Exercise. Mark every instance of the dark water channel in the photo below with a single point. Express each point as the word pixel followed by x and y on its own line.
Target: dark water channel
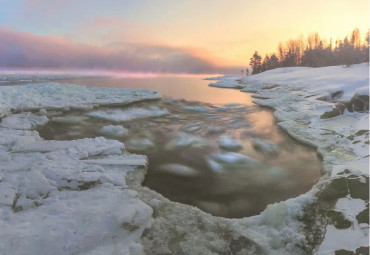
pixel 215 150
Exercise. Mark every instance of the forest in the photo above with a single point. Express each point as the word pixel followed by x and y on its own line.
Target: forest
pixel 313 51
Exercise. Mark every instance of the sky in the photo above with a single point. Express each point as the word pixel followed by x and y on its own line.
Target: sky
pixel 165 36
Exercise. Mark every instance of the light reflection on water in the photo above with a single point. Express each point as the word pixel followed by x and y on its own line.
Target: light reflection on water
pixel 191 88
pixel 239 190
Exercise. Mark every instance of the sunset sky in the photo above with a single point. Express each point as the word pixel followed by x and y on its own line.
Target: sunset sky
pixel 163 35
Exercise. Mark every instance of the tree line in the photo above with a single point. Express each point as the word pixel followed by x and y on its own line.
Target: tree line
pixel 315 52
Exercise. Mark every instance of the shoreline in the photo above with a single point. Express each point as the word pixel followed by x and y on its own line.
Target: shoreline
pixel 273 94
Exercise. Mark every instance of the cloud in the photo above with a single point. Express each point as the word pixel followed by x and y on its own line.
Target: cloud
pixel 25 50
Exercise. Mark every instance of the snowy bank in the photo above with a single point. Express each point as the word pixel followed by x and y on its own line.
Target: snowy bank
pixel 327 108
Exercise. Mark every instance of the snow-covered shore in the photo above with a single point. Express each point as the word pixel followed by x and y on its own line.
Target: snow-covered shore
pixel 327 108
pixel 85 196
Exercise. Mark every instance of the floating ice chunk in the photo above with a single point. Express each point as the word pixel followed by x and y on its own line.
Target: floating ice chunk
pixel 23 121
pixel 178 169
pixel 118 115
pixel 229 143
pixel 116 131
pixel 264 147
pixel 69 119
pixel 185 140
pixel 139 144
pixel 231 160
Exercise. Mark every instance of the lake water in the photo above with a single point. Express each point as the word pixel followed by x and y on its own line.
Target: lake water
pixel 187 163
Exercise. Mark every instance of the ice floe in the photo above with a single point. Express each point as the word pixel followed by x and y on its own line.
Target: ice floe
pixel 114 130
pixel 178 169
pixel 23 121
pixel 182 139
pixel 229 143
pixel 61 96
pixel 139 144
pixel 133 113
pixel 220 162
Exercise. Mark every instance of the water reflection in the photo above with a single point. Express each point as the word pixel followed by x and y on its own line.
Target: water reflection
pixel 191 88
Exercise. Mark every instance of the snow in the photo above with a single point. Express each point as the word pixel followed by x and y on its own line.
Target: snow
pixel 114 130
pixel 23 121
pixel 133 113
pixel 351 238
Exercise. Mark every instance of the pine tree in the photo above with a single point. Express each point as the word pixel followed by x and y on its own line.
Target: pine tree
pixel 255 63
